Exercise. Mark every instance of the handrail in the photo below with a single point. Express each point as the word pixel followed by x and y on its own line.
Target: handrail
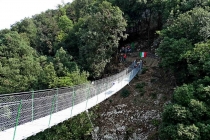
pixel 40 105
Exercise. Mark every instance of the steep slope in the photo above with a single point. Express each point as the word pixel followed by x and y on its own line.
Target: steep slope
pixel 138 115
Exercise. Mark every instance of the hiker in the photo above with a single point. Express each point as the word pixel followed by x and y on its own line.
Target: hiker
pixel 141 63
pixel 134 63
pixel 122 50
pixel 129 49
pixel 126 49
pixel 124 57
pixel 138 62
pixel 121 59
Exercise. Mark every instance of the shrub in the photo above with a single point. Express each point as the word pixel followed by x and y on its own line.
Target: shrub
pixel 142 93
pixel 154 95
pixel 143 71
pixel 152 80
pixel 155 122
pixel 125 93
pixel 140 85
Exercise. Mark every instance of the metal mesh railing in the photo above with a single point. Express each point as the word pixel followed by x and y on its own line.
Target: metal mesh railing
pixel 20 108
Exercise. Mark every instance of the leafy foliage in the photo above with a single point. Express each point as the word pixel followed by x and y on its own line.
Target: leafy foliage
pixel 53 48
pixel 99 35
pixel 77 128
pixel 198 60
pixel 178 41
pixel 125 93
pixel 183 94
pixel 185 50
pixel 19 64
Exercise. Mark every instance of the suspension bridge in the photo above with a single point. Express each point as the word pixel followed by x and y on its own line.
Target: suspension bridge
pixel 27 113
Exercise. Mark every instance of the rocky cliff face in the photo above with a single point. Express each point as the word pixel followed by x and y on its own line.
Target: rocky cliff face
pixel 135 115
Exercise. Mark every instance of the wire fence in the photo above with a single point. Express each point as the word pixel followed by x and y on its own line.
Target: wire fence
pixel 20 108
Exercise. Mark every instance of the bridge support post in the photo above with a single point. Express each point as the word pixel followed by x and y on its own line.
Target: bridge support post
pixel 17 119
pixel 72 101
pixel 106 90
pixel 87 96
pixel 97 92
pixel 56 104
pixel 52 109
pixel 32 106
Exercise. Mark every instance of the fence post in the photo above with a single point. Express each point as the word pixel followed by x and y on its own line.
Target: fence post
pixel 121 80
pixel 106 90
pixel 17 119
pixel 87 96
pixel 56 104
pixel 98 90
pixel 52 109
pixel 32 106
pixel 132 74
pixel 72 101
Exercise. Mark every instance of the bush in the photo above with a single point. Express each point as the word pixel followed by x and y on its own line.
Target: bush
pixel 143 71
pixel 155 122
pixel 152 80
pixel 183 94
pixel 154 95
pixel 174 113
pixel 141 90
pixel 125 93
pixel 142 93
pixel 140 85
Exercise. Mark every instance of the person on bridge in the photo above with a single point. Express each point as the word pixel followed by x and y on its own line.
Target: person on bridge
pixel 134 63
pixel 124 57
pixel 121 59
pixel 129 49
pixel 138 62
pixel 122 50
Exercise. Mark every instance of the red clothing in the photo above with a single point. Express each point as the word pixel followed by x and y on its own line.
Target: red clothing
pixel 124 56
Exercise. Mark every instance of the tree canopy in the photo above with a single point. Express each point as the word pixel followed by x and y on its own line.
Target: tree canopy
pixel 66 46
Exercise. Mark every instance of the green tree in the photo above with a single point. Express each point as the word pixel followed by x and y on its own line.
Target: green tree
pixel 180 132
pixel 76 128
pixel 191 25
pixel 99 35
pixel 47 30
pixel 19 64
pixel 63 62
pixel 203 90
pixel 26 26
pixel 171 51
pixel 71 79
pixel 183 94
pixel 204 130
pixel 179 37
pixel 188 132
pixel 65 24
pixel 176 113
pixel 78 6
pixel 198 60
pixel 48 76
pixel 198 109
